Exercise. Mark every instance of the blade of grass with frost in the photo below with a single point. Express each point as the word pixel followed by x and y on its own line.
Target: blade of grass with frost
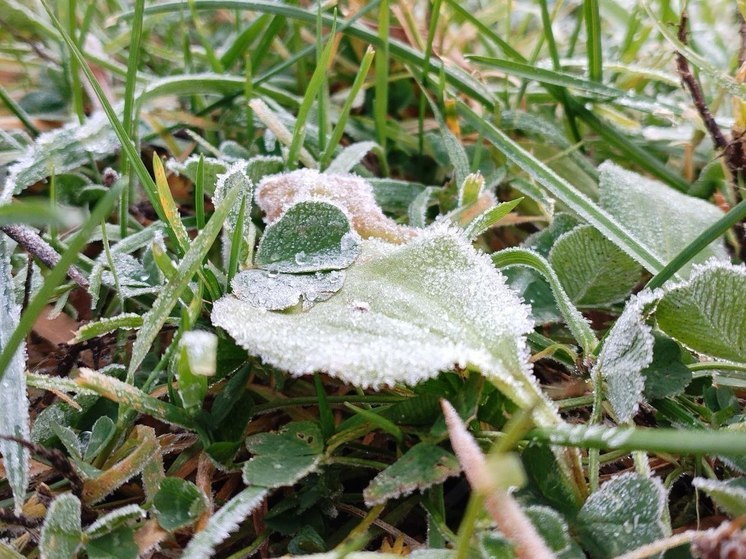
pixel 674 441
pixel 564 191
pixel 283 135
pixel 168 297
pixel 578 325
pixel 223 522
pixel 344 114
pixel 55 277
pixel 14 415
pixel 314 86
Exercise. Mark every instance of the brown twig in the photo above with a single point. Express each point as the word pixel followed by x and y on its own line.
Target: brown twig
pixel 32 243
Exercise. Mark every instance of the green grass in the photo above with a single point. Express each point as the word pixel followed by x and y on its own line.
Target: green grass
pixel 461 107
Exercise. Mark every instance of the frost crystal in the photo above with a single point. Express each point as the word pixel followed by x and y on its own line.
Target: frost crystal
pixel 405 313
pixel 274 291
pixel 201 350
pixel 278 192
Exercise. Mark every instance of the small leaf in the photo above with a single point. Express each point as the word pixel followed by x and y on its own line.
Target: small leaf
pixel 554 531
pixel 592 269
pixel 707 313
pixel 422 466
pixel 223 522
pixel 350 156
pixel 667 375
pixel 728 495
pixel 118 544
pixel 627 350
pixel 114 520
pixel 310 236
pixel 126 321
pixel 14 415
pixel 178 503
pixel 625 513
pixel 663 219
pixel 61 534
pixel 489 218
pixel 281 459
pixel 274 291
pixel 275 193
pixel 470 189
pixel 213 167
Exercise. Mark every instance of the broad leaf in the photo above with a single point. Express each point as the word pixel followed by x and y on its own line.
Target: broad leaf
pixel 310 236
pixel 405 313
pixel 627 350
pixel 663 219
pixel 14 417
pixel 274 291
pixel 178 503
pixel 666 375
pixel 592 269
pixel 625 513
pixel 422 466
pixel 707 313
pixel 118 544
pixel 61 534
pixel 283 458
pixel 728 495
pixel 223 522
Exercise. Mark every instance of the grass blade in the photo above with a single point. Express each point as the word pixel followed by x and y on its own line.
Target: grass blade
pixel 593 39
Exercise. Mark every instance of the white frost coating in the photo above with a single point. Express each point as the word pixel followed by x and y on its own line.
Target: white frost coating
pixel 59 151
pixel 223 522
pixel 405 313
pixel 628 349
pixel 201 350
pixel 729 495
pixel 661 218
pixel 274 291
pixel 234 176
pixel 276 193
pixel 14 419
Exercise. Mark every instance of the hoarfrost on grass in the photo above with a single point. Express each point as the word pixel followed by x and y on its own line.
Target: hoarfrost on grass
pixel 278 192
pixel 405 313
pixel 661 218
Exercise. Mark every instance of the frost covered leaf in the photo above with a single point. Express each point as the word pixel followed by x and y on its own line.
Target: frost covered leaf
pixel 592 269
pixel 276 193
pixel 118 544
pixel 223 522
pixel 201 351
pixel 125 321
pixel 422 466
pixel 14 418
pixel 117 518
pixel 728 495
pixel 60 151
pixel 178 503
pixel 624 514
pixel 490 218
pixel 350 156
pixel 274 291
pixel 61 534
pixel 310 236
pixel 212 168
pixel 405 313
pixel 628 349
pixel 666 375
pixel 234 177
pixel 553 529
pixel 281 459
pixel 707 313
pixel 663 219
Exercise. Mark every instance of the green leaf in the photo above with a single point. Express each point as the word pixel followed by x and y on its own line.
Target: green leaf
pixel 625 513
pixel 667 375
pixel 178 503
pixel 213 167
pixel 274 291
pixel 125 321
pixel 61 534
pixel 111 521
pixel 282 459
pixel 489 218
pixel 223 522
pixel 661 218
pixel 546 474
pixel 729 495
pixel 707 313
pixel 118 544
pixel 422 466
pixel 350 156
pixel 310 236
pixel 553 529
pixel 627 350
pixel 14 406
pixel 592 269
pixel 409 311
